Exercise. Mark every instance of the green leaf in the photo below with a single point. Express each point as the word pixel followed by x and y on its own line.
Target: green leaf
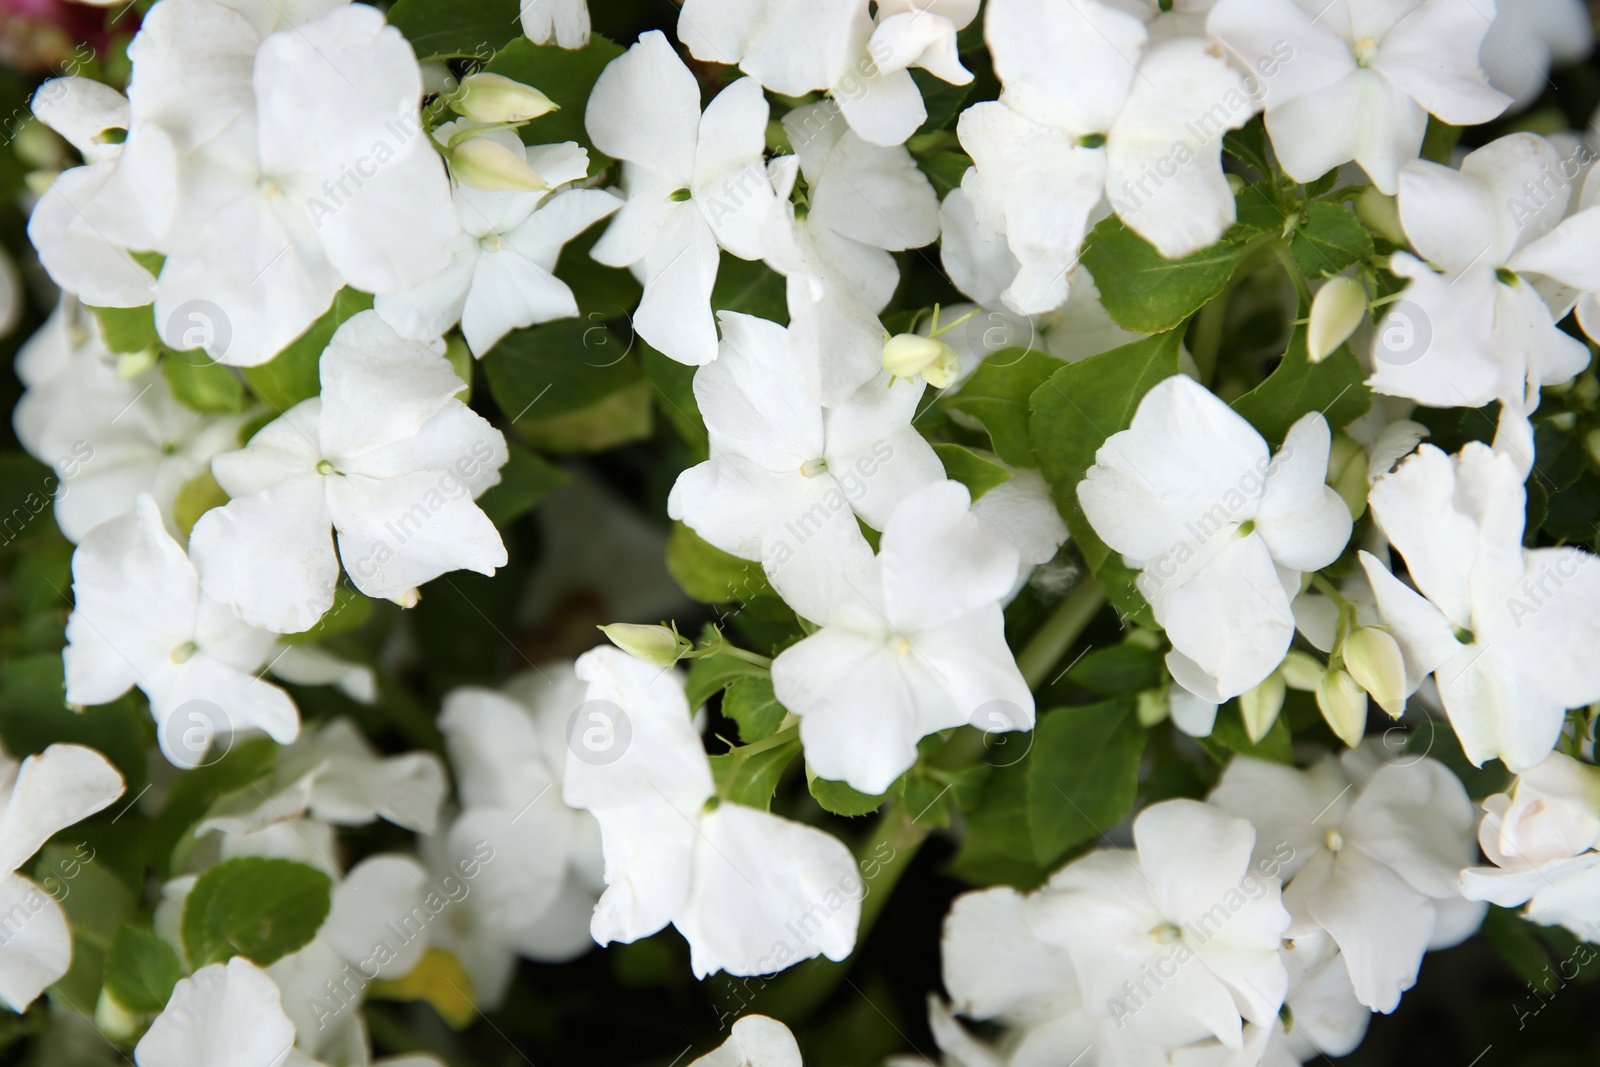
pixel 1083 774
pixel 711 674
pixel 34 715
pixel 997 847
pixel 971 468
pixel 1329 240
pixel 997 396
pixel 940 99
pixel 564 75
pixel 195 497
pixel 1075 411
pixel 201 384
pixel 1228 735
pixel 556 369
pixel 750 288
pixel 709 574
pixel 446 29
pixel 141 970
pixel 1146 293
pixel 752 704
pixel 749 775
pixel 1335 387
pixel 841 799
pixel 1119 671
pixel 293 374
pixel 622 417
pixel 193 793
pixel 945 170
pixel 1248 144
pixel 1513 937
pixel 674 386
pixel 96 901
pixel 525 480
pixel 128 329
pixel 262 909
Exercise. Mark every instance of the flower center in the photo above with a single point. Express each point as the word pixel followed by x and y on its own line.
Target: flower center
pixel 1366 50
pixel 491 243
pixel 324 467
pixel 1092 140
pixel 901 645
pixel 1333 839
pixel 1506 276
pixel 1246 528
pixel 183 652
pixel 813 467
pixel 1166 933
pixel 269 186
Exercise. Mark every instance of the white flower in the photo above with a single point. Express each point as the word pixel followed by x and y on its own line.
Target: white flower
pixel 566 22
pixel 1511 635
pixel 1371 853
pixel 1179 940
pixel 42 795
pixel 271 168
pixel 373 920
pixel 917 646
pixel 863 202
pixel 1528 38
pixel 65 227
pixel 1541 838
pixel 1220 529
pixel 754 1041
pixel 694 183
pixel 141 619
pixel 860 58
pixel 113 442
pixel 1477 331
pixel 500 272
pixel 1360 83
pixel 751 892
pixel 1022 512
pixel 1567 254
pixel 224 1015
pixel 787 478
pixel 386 456
pixel 334 775
pixel 510 758
pixel 1088 111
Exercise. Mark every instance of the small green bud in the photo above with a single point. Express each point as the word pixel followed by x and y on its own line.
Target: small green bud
pixel 1344 706
pixel 494 98
pixel 653 644
pixel 907 355
pixel 484 163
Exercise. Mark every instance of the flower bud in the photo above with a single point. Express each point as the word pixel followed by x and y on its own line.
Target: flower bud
pixel 1259 707
pixel 485 163
pixel 907 355
pixel 1343 705
pixel 653 644
pixel 1153 706
pixel 1552 813
pixel 1301 671
pixel 1336 311
pixel 1347 473
pixel 1373 659
pixel 113 1020
pixel 494 98
pixel 1382 213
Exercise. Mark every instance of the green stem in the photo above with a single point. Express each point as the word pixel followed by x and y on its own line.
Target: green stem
pixel 1206 341
pixel 883 859
pixel 1302 290
pixel 1060 630
pixel 745 654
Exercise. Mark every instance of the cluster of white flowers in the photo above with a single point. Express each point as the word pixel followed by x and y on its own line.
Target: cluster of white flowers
pixel 312 238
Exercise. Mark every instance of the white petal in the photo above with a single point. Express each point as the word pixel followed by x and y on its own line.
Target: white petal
pixel 269 555
pixel 397 533
pixel 939 562
pixel 62 785
pixel 730 180
pixel 1432 54
pixel 1304 522
pixel 380 895
pixel 377 388
pixel 873 451
pixel 1067 65
pixel 761 882
pixel 645 107
pixel 679 270
pixel 38 947
pixel 225 1015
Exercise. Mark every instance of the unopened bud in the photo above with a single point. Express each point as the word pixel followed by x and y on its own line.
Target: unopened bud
pixel 113 1020
pixel 1382 213
pixel 1301 671
pixel 1259 707
pixel 494 98
pixel 907 355
pixel 1343 705
pixel 1153 706
pixel 1373 659
pixel 653 644
pixel 1347 473
pixel 484 163
pixel 1336 311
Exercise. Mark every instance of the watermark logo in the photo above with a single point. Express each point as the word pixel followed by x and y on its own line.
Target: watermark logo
pixel 599 732
pixel 199 324
pixel 1404 335
pixel 197 734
